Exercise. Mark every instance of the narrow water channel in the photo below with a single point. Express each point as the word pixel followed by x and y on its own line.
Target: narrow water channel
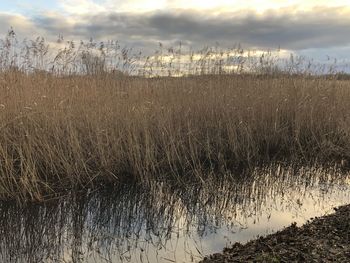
pixel 164 222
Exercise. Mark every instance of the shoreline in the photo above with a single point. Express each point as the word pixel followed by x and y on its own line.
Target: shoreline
pixel 321 239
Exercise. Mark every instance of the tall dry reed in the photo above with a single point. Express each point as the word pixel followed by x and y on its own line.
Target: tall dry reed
pixel 60 132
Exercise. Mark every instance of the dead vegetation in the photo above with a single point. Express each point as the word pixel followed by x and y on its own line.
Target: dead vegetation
pixel 97 113
pixel 60 132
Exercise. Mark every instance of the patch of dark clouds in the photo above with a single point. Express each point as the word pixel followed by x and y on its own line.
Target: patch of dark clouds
pixel 321 28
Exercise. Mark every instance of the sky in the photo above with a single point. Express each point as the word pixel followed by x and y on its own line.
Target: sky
pixel 320 29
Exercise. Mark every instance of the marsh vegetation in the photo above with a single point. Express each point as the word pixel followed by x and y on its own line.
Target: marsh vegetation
pixel 60 132
pixel 108 155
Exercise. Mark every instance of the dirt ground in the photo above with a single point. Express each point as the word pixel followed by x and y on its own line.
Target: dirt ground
pixel 323 239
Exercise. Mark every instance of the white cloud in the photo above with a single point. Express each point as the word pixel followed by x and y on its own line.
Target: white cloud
pixel 217 6
pixel 234 5
pixel 137 5
pixel 22 25
pixel 79 7
pixel 121 19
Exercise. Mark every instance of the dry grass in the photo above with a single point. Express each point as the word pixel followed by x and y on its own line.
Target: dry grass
pixel 60 132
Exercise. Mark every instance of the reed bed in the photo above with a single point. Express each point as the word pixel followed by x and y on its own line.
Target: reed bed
pixel 59 132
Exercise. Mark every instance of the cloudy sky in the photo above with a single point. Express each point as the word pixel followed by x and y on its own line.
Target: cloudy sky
pixel 314 28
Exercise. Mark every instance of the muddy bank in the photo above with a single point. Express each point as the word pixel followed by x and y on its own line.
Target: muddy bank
pixel 323 239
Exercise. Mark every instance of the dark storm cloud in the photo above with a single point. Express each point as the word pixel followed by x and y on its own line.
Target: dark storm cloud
pixel 322 28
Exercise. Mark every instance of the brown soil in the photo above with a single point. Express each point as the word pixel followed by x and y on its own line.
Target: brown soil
pixel 324 239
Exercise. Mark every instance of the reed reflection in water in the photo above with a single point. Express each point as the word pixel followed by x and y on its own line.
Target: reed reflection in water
pixel 167 222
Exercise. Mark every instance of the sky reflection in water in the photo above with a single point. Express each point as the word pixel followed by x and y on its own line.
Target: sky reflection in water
pixel 161 222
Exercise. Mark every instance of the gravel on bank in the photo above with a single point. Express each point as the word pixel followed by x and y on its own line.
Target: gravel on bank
pixel 323 239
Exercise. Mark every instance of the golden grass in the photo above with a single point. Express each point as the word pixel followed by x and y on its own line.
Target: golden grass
pixel 60 132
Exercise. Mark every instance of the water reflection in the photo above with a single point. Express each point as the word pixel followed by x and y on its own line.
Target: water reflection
pixel 164 222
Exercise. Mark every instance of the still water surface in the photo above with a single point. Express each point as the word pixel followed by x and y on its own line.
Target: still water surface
pixel 163 222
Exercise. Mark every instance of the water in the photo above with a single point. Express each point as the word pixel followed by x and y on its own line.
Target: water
pixel 163 222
